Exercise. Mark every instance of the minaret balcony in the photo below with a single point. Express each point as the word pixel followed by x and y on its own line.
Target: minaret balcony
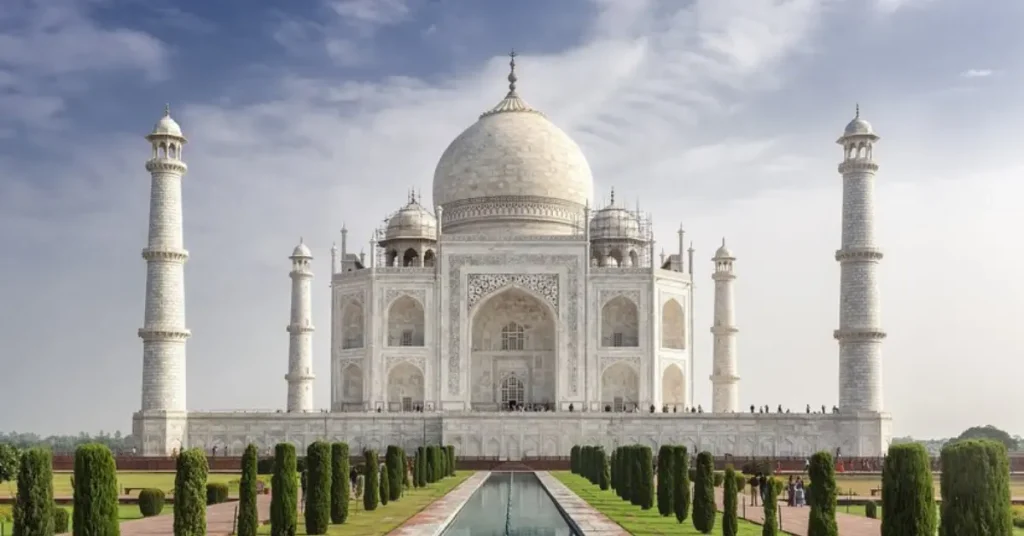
pixel 299 328
pixel 165 255
pixel 299 377
pixel 859 253
pixel 724 330
pixel 164 334
pixel 166 165
pixel 859 334
pixel 855 165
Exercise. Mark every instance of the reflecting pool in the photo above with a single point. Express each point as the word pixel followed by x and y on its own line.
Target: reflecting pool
pixel 510 504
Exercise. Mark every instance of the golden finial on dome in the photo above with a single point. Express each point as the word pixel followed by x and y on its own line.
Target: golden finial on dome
pixel 512 71
pixel 167 109
pixel 857 115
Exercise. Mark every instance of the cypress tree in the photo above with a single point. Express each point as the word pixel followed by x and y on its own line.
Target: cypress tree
pixel 704 494
pixel 34 506
pixel 421 469
pixel 430 464
pixel 439 457
pixel 606 476
pixel 385 485
pixel 416 462
pixel 908 492
pixel 96 492
pixel 393 462
pixel 681 483
pixel 666 505
pixel 317 511
pixel 190 494
pixel 612 471
pixel 822 474
pixel 646 462
pixel 451 459
pixel 405 470
pixel 248 515
pixel 574 460
pixel 627 473
pixel 284 500
pixel 730 521
pixel 771 512
pixel 975 488
pixel 340 486
pixel 371 488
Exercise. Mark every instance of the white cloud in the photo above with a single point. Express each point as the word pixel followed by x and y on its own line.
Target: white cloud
pixel 977 73
pixel 659 96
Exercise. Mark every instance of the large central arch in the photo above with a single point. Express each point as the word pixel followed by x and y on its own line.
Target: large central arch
pixel 513 333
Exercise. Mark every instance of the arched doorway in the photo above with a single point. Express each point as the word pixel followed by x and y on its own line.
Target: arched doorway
pixel 673 388
pixel 405 387
pixel 620 388
pixel 513 335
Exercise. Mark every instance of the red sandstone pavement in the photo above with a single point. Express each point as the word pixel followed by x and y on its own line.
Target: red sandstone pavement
pixel 220 520
pixel 794 519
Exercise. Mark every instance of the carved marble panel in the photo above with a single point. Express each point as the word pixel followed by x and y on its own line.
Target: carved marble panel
pixel 608 361
pixel 416 361
pixel 610 294
pixel 392 294
pixel 455 312
pixel 482 285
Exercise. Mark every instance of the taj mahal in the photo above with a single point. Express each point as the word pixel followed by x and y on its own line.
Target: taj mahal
pixel 514 318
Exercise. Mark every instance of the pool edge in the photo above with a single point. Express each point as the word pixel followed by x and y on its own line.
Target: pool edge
pixel 448 508
pixel 596 524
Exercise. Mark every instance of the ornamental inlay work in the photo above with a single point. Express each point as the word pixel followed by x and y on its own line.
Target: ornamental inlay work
pixel 609 295
pixel 608 361
pixel 455 264
pixel 417 294
pixel 483 285
pixel 392 360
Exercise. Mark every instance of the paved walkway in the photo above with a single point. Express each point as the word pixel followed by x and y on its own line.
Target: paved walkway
pixel 220 519
pixel 435 517
pixel 794 519
pixel 586 517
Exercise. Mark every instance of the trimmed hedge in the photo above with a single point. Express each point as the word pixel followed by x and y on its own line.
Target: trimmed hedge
pixel 33 506
pixel 823 495
pixel 730 520
pixel 908 493
pixel 265 466
pixel 646 488
pixel 439 457
pixel 431 464
pixel 574 460
pixel 606 477
pixel 405 471
pixel 421 469
pixel 216 493
pixel 681 482
pixel 385 487
pixel 284 500
pixel 340 486
pixel 771 512
pixel 191 493
pixel 61 519
pixel 718 478
pixel 371 491
pixel 871 512
pixel 248 513
pixel 151 503
pixel 319 475
pixel 975 488
pixel 704 494
pixel 96 492
pixel 393 463
pixel 741 481
pixel 450 450
pixel 666 502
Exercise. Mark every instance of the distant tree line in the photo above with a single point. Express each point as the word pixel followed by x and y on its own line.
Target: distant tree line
pixel 1013 443
pixel 66 444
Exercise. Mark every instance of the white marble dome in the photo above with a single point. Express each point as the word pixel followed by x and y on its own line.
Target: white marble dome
pixel 858 127
pixel 513 171
pixel 302 250
pixel 167 126
pixel 412 222
pixel 615 223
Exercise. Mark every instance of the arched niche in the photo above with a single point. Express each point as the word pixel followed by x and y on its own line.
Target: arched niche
pixel 620 387
pixel 673 326
pixel 352 325
pixel 352 386
pixel 406 322
pixel 405 387
pixel 673 387
pixel 513 332
pixel 620 323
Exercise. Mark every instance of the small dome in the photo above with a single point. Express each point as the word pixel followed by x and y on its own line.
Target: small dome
pixel 615 223
pixel 723 252
pixel 858 126
pixel 167 126
pixel 413 221
pixel 301 250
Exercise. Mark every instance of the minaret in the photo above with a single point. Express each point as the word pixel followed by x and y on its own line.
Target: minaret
pixel 163 332
pixel 300 333
pixel 860 332
pixel 724 381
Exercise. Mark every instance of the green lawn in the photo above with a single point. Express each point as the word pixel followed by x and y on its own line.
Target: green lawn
pixel 133 479
pixel 386 518
pixel 125 512
pixel 639 522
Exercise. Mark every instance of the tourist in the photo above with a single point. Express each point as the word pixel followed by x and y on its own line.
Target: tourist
pixel 755 486
pixel 791 491
pixel 800 492
pixel 762 486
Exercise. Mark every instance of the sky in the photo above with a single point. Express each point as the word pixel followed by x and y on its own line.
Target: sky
pixel 720 115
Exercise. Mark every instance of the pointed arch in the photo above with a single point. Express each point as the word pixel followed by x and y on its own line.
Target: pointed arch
pixel 620 387
pixel 620 323
pixel 429 258
pixel 405 387
pixel 673 325
pixel 673 387
pixel 406 322
pixel 411 257
pixel 352 325
pixel 351 385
